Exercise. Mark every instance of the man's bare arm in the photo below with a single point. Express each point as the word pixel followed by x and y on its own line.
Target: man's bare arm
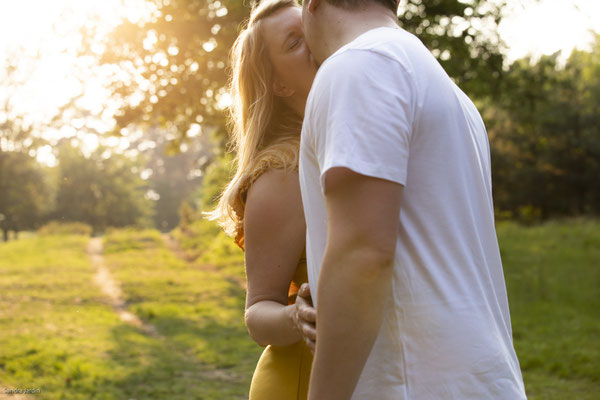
pixel 355 279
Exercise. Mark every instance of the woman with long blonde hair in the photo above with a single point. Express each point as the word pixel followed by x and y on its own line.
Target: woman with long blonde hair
pixel 261 207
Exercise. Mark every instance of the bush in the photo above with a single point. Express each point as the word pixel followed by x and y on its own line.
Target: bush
pixel 125 239
pixel 65 228
pixel 205 242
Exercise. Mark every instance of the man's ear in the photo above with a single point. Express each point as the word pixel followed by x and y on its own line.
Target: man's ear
pixel 280 90
pixel 313 5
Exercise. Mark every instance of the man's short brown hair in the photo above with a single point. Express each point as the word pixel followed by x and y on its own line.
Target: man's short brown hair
pixel 350 4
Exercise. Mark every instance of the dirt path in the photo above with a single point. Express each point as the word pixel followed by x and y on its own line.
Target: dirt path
pixel 111 289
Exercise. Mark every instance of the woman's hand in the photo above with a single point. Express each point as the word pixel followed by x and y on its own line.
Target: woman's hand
pixel 305 316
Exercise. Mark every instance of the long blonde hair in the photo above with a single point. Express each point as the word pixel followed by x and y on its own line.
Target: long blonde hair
pixel 265 131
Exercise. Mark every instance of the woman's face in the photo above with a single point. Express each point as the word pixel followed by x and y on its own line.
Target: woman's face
pixel 292 61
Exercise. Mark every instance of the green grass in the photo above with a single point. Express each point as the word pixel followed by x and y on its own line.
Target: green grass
pixel 553 279
pixel 205 243
pixel 199 311
pixel 59 334
pixel 56 328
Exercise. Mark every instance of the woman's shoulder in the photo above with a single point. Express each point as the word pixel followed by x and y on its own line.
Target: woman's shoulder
pixel 274 204
pixel 273 184
pixel 268 160
pixel 273 199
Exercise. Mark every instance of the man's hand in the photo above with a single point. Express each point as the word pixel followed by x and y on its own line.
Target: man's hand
pixel 305 316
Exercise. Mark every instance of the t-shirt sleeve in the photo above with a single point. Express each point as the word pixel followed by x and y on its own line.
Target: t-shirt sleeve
pixel 366 106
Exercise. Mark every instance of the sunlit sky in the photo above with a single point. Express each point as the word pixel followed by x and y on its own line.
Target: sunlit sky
pixel 544 26
pixel 49 31
pixel 42 38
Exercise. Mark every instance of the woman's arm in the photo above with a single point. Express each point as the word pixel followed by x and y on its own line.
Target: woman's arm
pixel 274 237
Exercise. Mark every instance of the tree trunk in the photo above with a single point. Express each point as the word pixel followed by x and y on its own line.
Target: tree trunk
pixel 5 234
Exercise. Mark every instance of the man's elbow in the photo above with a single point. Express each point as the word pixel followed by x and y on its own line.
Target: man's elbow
pixel 375 261
pixel 382 262
pixel 366 247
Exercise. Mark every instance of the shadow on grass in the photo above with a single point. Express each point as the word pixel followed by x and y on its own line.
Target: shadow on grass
pixel 207 360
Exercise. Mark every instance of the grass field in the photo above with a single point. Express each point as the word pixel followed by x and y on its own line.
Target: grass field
pixel 60 334
pixel 553 279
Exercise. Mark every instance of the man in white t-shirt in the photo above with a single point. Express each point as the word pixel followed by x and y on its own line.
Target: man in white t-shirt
pixel 402 251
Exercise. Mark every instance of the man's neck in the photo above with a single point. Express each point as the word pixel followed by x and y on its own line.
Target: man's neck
pixel 346 25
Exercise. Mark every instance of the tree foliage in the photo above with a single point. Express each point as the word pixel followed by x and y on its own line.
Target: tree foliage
pixel 463 35
pixel 101 190
pixel 179 61
pixel 16 129
pixel 173 176
pixel 24 193
pixel 216 177
pixel 545 137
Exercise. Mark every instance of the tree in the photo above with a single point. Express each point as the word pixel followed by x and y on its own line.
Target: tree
pixel 216 176
pixel 101 190
pixel 545 136
pixel 23 192
pixel 172 175
pixel 463 36
pixel 178 59
pixel 16 130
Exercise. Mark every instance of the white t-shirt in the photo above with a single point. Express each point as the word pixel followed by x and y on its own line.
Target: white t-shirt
pixel 382 106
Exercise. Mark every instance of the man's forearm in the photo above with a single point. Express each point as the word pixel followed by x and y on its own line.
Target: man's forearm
pixel 353 288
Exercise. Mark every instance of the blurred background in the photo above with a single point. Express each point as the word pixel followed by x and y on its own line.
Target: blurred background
pixel 113 124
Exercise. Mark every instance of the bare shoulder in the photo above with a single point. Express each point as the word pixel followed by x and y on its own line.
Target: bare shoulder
pixel 275 189
pixel 277 178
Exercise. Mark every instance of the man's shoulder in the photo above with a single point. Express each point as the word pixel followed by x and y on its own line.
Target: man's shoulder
pixel 387 41
pixel 381 46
